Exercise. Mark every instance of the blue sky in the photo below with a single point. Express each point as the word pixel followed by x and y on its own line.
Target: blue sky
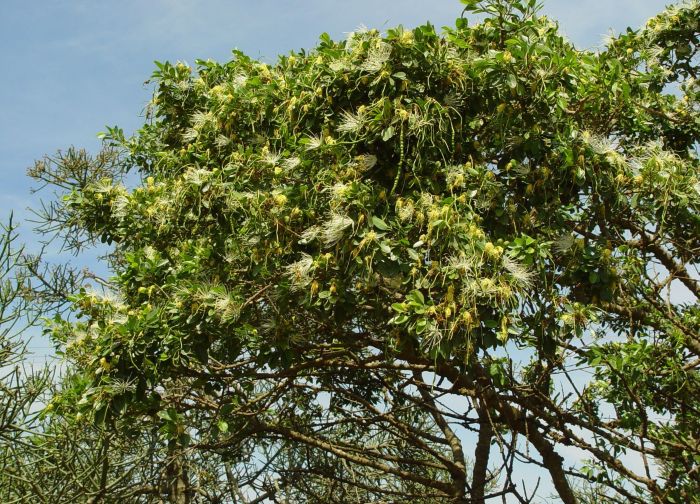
pixel 73 66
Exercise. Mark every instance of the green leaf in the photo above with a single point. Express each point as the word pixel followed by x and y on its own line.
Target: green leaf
pixel 416 297
pixel 399 307
pixel 379 223
pixel 388 134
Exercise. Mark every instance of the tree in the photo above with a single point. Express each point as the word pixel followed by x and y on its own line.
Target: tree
pixel 404 267
pixel 19 387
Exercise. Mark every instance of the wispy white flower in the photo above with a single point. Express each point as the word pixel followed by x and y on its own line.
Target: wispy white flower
pixel 196 176
pixel 378 54
pixel 351 123
pixel 120 206
pixel 609 38
pixel 190 135
pixel 405 210
pixel 201 119
pixel 425 200
pixel 271 158
pixel 452 54
pixel 607 147
pixel 227 307
pixel 355 37
pixel 183 85
pixel 600 145
pixel 150 253
pixel 433 337
pixel 339 190
pixel 240 80
pixel 314 142
pixel 365 162
pixel 521 277
pixel 224 303
pixel 310 234
pixel 222 141
pixel 333 230
pixel 564 243
pixel 117 386
pixel 290 163
pixel 464 264
pixel 299 272
pixel 455 176
pixel 340 65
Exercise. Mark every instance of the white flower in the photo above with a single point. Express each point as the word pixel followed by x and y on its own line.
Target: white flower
pixel 201 119
pixel 465 265
pixel 333 230
pixel 196 176
pixel 521 277
pixel 339 65
pixel 434 336
pixel 355 37
pixel 314 142
pixel 378 54
pixel 564 243
pixel 225 305
pixel 417 121
pixel 240 80
pixel 299 272
pixel 351 123
pixel 425 200
pixel 190 135
pixel 271 158
pixel 339 190
pixel 310 234
pixel 601 145
pixel 222 141
pixel 291 163
pixel 150 253
pixel 365 162
pixel 405 211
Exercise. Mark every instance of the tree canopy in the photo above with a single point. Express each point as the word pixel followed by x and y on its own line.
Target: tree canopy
pixel 402 267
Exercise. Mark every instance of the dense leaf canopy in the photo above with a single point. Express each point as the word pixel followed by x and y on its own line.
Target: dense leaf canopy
pixel 405 266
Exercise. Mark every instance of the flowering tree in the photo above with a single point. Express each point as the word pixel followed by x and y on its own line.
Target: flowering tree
pixel 405 267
